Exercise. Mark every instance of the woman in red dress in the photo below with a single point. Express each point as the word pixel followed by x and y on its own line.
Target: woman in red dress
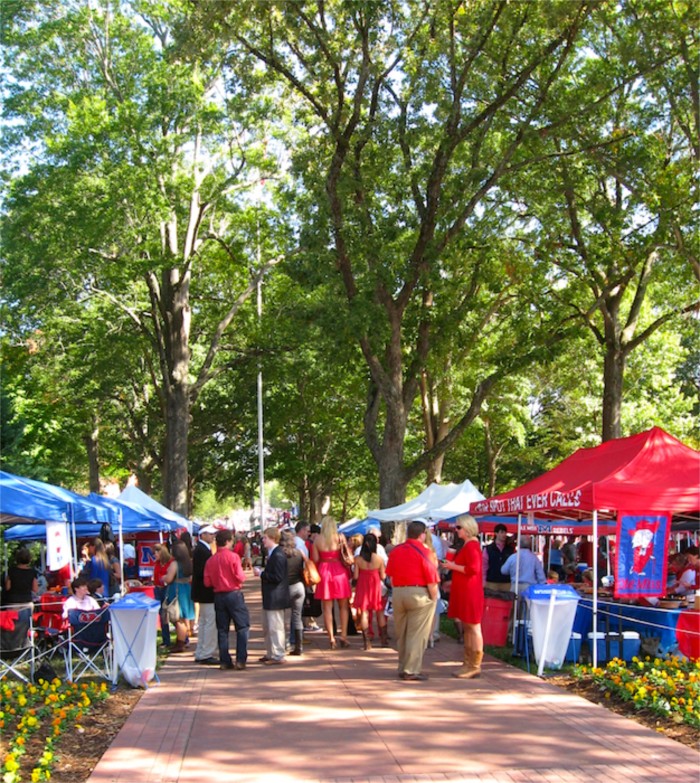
pixel 467 594
pixel 369 574
pixel 335 580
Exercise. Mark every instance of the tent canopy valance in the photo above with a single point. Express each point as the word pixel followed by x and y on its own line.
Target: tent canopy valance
pixel 648 472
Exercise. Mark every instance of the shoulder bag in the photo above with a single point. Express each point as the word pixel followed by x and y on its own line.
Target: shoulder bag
pixel 310 573
pixel 346 556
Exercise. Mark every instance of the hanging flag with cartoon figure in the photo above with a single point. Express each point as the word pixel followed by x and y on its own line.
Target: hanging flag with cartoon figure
pixel 58 548
pixel 642 542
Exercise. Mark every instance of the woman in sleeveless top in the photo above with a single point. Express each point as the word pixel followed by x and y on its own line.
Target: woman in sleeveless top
pixel 369 573
pixel 335 580
pixel 179 581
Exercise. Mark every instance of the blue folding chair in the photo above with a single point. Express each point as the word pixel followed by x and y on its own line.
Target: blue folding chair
pixel 17 641
pixel 90 644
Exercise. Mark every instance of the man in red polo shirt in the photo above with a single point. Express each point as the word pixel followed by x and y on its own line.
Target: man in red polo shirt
pixel 414 580
pixel 223 572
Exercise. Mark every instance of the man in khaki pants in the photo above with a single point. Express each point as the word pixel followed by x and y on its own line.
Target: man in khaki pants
pixel 414 581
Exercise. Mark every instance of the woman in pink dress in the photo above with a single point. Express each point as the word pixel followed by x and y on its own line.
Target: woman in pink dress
pixel 369 573
pixel 335 579
pixel 467 594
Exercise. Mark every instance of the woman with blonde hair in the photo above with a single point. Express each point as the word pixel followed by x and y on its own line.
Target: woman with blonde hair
pixel 335 579
pixel 467 594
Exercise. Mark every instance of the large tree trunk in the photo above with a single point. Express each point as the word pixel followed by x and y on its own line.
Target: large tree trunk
pixel 613 379
pixel 176 311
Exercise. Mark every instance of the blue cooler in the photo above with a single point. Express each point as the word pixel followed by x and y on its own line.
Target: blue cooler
pixel 573 651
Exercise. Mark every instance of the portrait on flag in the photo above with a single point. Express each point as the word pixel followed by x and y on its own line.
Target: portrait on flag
pixel 641 567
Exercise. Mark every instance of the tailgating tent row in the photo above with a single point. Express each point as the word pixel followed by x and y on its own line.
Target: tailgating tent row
pixel 24 500
pixel 651 472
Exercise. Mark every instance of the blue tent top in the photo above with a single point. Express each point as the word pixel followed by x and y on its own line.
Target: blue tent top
pixel 134 517
pixel 135 602
pixel 133 494
pixel 22 499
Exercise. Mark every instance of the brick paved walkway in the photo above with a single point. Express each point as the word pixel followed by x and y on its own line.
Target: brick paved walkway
pixel 343 717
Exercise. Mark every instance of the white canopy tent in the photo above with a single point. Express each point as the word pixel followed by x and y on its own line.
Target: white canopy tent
pixel 436 502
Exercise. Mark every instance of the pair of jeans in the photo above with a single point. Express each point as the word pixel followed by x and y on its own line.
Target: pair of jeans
pixel 297 593
pixel 232 607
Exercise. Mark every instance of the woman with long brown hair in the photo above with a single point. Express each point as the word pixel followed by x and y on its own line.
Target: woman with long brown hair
pixel 179 581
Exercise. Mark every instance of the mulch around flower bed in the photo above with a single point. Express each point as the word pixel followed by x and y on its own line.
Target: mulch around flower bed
pixel 588 689
pixel 79 752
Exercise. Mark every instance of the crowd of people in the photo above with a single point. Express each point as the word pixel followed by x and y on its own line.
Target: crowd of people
pixel 357 584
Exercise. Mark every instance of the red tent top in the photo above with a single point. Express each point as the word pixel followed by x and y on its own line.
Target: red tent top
pixel 651 471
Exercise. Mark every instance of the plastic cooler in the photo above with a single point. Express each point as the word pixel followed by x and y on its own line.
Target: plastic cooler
pixel 494 623
pixel 552 610
pixel 573 651
pixel 624 646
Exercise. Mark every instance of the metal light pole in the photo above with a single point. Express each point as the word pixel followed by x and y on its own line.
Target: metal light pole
pixel 261 456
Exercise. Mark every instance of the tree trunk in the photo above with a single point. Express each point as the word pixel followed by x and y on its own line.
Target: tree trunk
pixel 176 311
pixel 613 378
pixel 392 478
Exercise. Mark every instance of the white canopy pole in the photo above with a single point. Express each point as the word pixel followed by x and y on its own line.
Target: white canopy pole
pixel 595 587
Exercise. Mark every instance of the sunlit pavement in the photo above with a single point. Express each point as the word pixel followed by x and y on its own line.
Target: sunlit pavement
pixel 342 716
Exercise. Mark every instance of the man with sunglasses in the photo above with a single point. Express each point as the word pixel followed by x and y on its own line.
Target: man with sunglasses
pixel 414 580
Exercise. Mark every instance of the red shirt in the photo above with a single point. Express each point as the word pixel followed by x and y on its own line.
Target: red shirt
pixel 159 571
pixel 239 548
pixel 224 572
pixel 410 565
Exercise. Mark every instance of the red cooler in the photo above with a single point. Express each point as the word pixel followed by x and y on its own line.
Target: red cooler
pixel 494 625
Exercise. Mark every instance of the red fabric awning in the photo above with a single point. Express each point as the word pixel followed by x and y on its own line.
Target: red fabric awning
pixel 651 471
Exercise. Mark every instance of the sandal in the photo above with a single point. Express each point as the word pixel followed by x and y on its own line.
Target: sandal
pixel 344 642
pixel 332 644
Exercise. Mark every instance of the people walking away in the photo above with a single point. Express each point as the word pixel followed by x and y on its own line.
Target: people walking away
pixel 369 573
pixel 224 573
pixel 302 530
pixel 529 570
pixel 335 580
pixel 98 566
pixel 494 557
pixel 297 589
pixel 467 594
pixel 275 597
pixel 179 582
pixel 414 580
pixel 206 652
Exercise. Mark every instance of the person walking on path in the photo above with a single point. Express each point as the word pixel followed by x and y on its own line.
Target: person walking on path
pixel 275 597
pixel 207 642
pixel 414 580
pixel 224 574
pixel 369 574
pixel 467 594
pixel 335 580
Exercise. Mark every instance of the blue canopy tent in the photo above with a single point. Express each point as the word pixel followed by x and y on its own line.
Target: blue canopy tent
pixel 133 494
pixel 23 499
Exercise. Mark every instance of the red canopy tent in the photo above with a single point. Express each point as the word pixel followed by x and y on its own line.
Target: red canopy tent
pixel 651 472
pixel 648 472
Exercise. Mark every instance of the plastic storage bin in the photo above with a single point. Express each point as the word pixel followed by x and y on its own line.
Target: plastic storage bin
pixel 494 624
pixel 573 651
pixel 624 646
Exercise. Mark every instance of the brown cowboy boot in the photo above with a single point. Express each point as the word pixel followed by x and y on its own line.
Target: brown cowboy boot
pixel 471 668
pixel 384 636
pixel 367 640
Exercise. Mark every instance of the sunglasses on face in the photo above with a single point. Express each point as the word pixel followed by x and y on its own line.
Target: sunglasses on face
pixel 458 527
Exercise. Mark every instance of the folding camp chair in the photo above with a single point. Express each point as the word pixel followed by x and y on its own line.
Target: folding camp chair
pixel 90 644
pixel 17 641
pixel 51 628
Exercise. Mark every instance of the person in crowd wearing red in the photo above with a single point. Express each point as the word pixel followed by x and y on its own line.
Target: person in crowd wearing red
pixel 224 573
pixel 414 580
pixel 369 572
pixel 335 580
pixel 467 595
pixel 160 569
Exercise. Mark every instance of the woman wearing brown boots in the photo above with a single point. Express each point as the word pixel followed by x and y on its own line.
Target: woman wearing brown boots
pixel 467 595
pixel 369 573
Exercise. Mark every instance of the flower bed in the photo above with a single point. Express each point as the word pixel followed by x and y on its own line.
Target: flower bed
pixel 669 687
pixel 32 720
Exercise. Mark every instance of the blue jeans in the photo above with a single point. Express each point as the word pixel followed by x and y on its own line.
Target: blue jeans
pixel 228 607
pixel 297 593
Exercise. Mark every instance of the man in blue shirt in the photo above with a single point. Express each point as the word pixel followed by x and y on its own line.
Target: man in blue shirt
pixel 530 569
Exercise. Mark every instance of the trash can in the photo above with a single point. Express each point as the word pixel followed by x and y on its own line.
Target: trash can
pixel 494 623
pixel 134 633
pixel 552 610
